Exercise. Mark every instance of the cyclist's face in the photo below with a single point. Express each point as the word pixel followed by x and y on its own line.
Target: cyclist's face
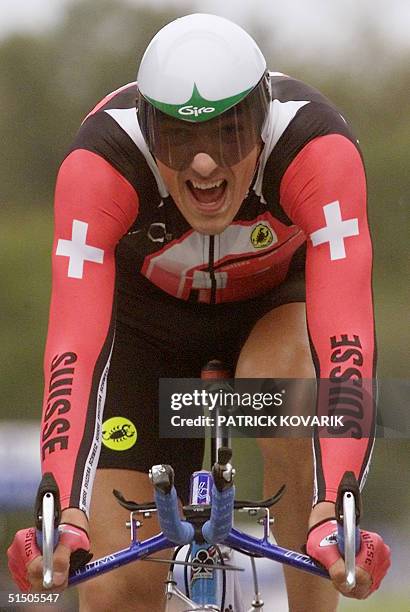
pixel 208 195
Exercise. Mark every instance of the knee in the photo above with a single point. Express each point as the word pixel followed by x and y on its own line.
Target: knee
pixel 293 360
pixel 100 595
pixel 291 456
pixel 108 593
pixel 95 595
pixel 270 358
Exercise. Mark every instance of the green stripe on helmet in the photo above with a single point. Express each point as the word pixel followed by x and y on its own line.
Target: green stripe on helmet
pixel 197 108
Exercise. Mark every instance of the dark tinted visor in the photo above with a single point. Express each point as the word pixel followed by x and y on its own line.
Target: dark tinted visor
pixel 227 138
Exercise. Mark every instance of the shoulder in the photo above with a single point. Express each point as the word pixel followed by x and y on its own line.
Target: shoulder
pixel 111 131
pixel 299 114
pixel 123 97
pixel 286 88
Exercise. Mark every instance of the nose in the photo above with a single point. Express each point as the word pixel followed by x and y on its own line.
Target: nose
pixel 203 164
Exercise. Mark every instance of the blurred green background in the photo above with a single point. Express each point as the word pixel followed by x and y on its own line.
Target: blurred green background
pixel 50 78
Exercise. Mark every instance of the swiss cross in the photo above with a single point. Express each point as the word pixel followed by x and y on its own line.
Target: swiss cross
pixel 78 251
pixel 335 231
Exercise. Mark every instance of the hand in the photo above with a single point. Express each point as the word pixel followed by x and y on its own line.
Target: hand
pixel 372 561
pixel 26 562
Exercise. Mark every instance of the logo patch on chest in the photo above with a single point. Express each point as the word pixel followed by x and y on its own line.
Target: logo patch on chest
pixel 261 236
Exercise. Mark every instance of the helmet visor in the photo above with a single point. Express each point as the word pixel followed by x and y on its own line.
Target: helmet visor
pixel 228 138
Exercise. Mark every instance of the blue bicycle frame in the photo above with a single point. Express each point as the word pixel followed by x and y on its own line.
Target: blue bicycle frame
pixel 236 539
pixel 204 540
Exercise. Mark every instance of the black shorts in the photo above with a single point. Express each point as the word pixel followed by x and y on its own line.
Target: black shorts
pixel 159 336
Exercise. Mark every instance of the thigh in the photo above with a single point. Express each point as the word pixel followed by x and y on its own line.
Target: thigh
pixel 130 429
pixel 278 347
pixel 246 328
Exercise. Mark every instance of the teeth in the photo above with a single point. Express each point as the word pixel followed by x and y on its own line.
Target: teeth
pixel 207 185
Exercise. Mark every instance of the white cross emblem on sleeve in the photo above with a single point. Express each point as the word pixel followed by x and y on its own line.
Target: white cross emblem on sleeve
pixel 335 231
pixel 78 251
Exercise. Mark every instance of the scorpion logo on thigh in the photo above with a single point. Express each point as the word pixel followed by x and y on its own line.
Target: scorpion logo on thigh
pixel 118 433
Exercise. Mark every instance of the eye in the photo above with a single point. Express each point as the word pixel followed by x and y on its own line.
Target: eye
pixel 175 135
pixel 231 131
pixel 178 136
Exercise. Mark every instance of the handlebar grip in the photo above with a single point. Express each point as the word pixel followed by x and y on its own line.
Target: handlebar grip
pixel 177 531
pixel 217 529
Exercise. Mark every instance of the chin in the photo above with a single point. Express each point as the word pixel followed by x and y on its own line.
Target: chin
pixel 209 227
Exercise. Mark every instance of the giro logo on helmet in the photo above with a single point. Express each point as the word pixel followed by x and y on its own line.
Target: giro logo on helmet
pixel 199 68
pixel 194 110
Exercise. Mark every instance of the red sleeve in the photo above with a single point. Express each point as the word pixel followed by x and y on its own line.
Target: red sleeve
pixel 324 192
pixel 94 207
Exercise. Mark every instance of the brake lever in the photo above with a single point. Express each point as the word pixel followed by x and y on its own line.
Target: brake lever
pixel 47 518
pixel 348 513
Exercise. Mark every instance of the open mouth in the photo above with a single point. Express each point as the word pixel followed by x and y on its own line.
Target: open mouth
pixel 209 195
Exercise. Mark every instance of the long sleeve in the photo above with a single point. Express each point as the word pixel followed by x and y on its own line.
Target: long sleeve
pixel 323 191
pixel 94 207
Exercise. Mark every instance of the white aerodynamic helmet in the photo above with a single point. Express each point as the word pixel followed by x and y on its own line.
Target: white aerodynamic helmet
pixel 202 85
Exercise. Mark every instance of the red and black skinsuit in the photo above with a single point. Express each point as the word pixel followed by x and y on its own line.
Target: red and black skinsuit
pixel 119 237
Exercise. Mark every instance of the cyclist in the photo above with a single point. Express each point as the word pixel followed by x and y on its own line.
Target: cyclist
pixel 181 234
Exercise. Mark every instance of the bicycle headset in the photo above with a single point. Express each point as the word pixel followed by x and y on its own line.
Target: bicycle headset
pixel 203 86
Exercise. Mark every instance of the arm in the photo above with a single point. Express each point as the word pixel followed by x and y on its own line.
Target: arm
pixel 94 207
pixel 324 192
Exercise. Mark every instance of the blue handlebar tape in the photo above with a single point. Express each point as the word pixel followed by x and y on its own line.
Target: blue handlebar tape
pixel 217 529
pixel 341 539
pixel 39 538
pixel 177 531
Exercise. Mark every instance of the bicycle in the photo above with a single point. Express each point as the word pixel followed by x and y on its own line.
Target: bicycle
pixel 207 530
